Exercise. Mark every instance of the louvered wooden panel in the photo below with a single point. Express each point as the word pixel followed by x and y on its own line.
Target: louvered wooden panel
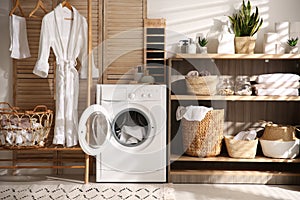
pixel 123 39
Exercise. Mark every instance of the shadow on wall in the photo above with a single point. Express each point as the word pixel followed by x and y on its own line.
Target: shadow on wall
pixel 187 18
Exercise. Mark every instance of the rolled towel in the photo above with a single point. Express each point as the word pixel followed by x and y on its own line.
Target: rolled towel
pixel 277 92
pixel 278 85
pixel 193 73
pixel 277 77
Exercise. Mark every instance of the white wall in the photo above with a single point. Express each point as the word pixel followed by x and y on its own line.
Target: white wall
pixel 6 88
pixel 186 18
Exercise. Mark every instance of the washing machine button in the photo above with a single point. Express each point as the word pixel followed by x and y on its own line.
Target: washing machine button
pixel 131 96
pixel 150 95
pixel 143 95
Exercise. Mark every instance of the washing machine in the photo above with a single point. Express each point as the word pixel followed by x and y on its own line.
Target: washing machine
pixel 126 132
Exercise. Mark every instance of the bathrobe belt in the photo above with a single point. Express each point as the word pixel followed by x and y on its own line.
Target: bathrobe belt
pixel 71 85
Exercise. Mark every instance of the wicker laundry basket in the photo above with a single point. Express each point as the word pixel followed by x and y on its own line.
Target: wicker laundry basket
pixel 24 129
pixel 204 138
pixel 241 148
pixel 279 132
pixel 202 85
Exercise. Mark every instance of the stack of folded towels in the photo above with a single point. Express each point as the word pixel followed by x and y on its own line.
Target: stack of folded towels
pixel 277 84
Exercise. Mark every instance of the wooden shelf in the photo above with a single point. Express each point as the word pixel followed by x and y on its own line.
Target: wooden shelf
pixel 44 149
pixel 228 159
pixel 238 56
pixel 235 98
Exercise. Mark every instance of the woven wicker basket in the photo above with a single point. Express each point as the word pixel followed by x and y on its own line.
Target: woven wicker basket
pixel 202 85
pixel 204 138
pixel 24 129
pixel 279 132
pixel 241 148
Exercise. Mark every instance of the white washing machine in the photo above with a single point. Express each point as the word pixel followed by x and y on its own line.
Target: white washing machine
pixel 126 131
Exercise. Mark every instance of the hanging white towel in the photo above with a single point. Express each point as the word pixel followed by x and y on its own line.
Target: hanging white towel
pixel 277 77
pixel 192 113
pixel 277 92
pixel 18 37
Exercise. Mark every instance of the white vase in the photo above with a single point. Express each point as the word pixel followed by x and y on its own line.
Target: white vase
pixel 203 50
pixel 292 50
pixel 226 41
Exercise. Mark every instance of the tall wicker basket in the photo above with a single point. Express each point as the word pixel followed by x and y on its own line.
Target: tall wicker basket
pixel 204 138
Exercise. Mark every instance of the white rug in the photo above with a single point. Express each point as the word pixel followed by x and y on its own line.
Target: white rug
pixel 95 191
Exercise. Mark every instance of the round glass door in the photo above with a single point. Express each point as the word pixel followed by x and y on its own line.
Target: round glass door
pixel 94 130
pixel 131 127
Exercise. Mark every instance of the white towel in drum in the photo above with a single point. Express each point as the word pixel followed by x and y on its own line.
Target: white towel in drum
pixel 192 113
pixel 277 77
pixel 277 92
pixel 132 134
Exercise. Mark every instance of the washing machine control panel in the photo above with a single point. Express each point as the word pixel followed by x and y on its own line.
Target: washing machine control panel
pixel 144 93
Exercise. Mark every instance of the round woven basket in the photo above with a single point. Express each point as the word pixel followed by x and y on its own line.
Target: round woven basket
pixel 204 138
pixel 241 148
pixel 279 132
pixel 202 85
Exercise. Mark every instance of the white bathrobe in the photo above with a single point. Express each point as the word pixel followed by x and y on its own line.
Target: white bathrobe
pixel 68 39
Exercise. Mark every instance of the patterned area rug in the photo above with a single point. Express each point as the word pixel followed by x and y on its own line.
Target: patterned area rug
pixel 95 191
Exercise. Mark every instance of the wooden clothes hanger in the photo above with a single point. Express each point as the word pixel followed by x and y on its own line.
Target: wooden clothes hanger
pixel 38 5
pixel 17 5
pixel 66 3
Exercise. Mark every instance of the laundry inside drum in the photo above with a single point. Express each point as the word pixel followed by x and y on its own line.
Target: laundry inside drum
pixel 131 127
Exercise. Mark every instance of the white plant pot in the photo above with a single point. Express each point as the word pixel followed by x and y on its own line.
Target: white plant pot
pixel 203 50
pixel 292 50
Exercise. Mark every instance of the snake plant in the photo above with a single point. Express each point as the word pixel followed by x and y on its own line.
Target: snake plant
pixel 292 41
pixel 203 42
pixel 245 23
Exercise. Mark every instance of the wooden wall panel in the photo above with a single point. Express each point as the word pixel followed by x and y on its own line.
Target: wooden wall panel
pixel 122 39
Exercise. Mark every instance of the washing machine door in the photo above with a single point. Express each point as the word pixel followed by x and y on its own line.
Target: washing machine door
pixel 94 130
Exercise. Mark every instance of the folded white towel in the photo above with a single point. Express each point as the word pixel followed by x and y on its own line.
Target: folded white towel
pixel 192 113
pixel 277 77
pixel 246 135
pixel 278 85
pixel 277 92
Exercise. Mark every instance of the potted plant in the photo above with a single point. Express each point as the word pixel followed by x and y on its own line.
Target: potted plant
pixel 202 44
pixel 245 25
pixel 292 42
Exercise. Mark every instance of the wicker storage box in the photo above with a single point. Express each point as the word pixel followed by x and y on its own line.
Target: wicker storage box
pixel 241 148
pixel 204 138
pixel 202 85
pixel 279 132
pixel 24 129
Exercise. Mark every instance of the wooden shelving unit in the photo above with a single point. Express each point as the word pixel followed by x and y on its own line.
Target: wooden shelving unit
pixel 240 113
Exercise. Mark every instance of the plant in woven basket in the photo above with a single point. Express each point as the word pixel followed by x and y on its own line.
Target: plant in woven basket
pixel 245 25
pixel 292 42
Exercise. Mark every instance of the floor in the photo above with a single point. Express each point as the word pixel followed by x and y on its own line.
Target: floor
pixel 236 192
pixel 198 191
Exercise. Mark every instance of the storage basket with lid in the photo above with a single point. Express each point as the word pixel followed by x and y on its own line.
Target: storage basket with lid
pixel 204 138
